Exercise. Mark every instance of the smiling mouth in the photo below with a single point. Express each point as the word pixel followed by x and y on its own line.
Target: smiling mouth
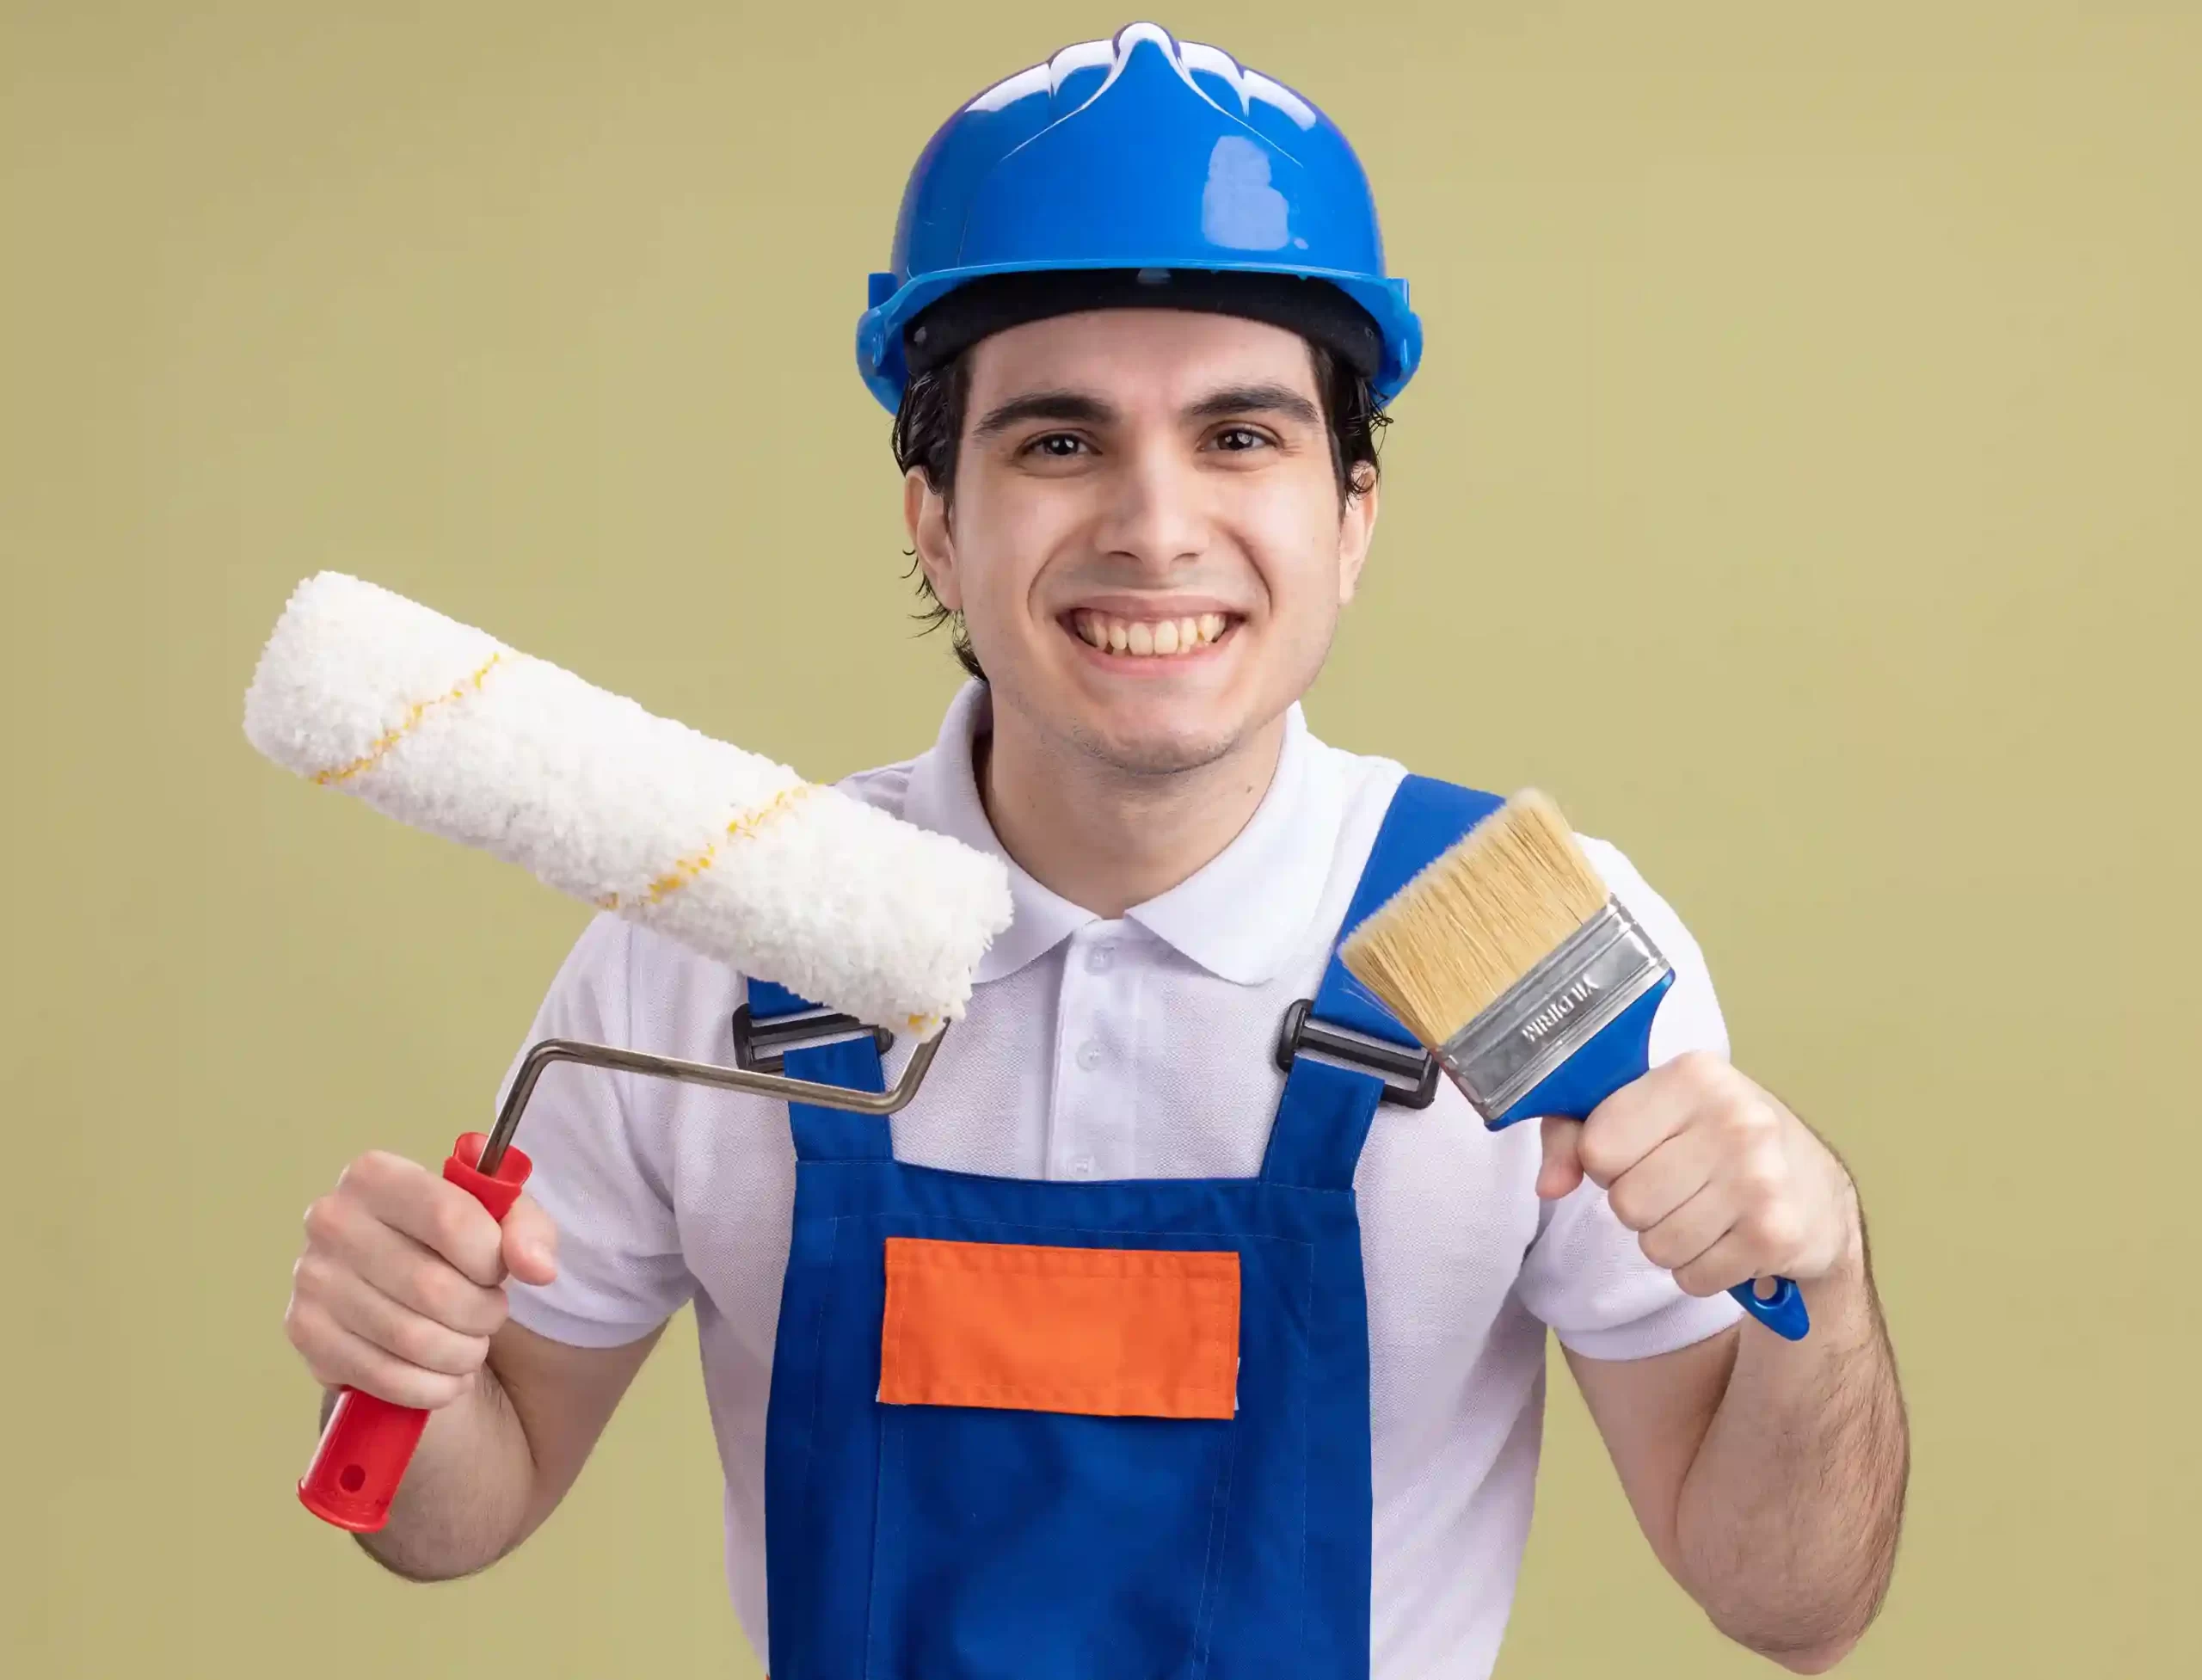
pixel 1149 638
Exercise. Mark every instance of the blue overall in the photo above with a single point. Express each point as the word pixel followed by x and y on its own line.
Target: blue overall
pixel 949 1543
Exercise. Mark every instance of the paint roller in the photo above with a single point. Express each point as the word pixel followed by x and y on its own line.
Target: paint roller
pixel 876 922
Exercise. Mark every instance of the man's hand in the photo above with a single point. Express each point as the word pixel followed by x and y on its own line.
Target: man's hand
pixel 401 1284
pixel 400 1293
pixel 1722 1183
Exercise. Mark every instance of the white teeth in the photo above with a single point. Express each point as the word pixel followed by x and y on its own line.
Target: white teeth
pixel 1156 638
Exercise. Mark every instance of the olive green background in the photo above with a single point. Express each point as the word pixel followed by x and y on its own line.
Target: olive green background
pixel 1802 483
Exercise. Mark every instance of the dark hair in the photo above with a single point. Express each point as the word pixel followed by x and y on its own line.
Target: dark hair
pixel 929 428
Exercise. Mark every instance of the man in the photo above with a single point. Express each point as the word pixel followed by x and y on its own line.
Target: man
pixel 1138 340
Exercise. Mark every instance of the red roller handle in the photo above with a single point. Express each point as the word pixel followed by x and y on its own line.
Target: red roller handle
pixel 369 1441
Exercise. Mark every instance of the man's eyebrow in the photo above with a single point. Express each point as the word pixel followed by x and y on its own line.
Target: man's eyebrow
pixel 1280 400
pixel 1072 406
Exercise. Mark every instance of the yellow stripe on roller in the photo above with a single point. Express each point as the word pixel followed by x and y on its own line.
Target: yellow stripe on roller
pixel 687 869
pixel 381 749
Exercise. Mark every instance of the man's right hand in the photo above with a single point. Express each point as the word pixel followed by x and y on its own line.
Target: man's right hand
pixel 401 1284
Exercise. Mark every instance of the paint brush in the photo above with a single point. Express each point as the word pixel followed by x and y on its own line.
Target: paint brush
pixel 1510 962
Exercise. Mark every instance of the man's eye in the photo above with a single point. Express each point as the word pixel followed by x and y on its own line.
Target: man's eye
pixel 1060 446
pixel 1239 439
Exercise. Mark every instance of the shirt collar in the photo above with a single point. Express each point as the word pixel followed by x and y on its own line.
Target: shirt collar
pixel 1241 916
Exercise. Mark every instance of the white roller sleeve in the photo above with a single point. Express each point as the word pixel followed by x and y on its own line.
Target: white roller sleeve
pixel 450 731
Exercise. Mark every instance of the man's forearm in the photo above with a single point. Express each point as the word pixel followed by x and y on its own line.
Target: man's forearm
pixel 466 1498
pixel 1788 1518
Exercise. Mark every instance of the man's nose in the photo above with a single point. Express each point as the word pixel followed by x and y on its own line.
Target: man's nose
pixel 1154 514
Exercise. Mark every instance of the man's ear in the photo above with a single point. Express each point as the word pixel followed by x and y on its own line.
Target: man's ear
pixel 1357 530
pixel 924 514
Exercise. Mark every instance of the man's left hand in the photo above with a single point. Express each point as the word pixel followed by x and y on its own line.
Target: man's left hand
pixel 1721 1182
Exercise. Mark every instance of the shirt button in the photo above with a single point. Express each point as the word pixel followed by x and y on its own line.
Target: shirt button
pixel 1083 1167
pixel 1088 1055
pixel 1100 957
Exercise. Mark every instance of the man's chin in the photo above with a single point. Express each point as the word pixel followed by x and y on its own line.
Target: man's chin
pixel 1147 732
pixel 1155 753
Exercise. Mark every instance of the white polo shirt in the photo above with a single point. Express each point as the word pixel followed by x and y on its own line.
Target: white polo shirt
pixel 1138 1048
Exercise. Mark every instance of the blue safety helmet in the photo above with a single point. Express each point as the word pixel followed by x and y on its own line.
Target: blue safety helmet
pixel 1140 170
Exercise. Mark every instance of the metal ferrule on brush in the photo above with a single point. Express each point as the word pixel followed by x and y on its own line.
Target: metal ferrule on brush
pixel 1552 1011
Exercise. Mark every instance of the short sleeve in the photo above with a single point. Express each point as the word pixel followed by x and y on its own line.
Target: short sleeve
pixel 621 1273
pixel 1585 1276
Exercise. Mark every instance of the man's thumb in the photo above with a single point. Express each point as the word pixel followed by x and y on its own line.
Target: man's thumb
pixel 530 1243
pixel 1563 1165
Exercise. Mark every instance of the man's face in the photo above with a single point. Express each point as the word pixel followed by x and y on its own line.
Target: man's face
pixel 1146 541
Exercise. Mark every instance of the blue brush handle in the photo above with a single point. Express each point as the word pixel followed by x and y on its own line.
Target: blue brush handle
pixel 1619 1054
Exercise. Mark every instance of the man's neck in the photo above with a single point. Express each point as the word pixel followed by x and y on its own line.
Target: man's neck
pixel 1107 839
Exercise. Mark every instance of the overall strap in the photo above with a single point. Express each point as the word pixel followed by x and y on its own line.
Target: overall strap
pixel 824 1133
pixel 1323 1118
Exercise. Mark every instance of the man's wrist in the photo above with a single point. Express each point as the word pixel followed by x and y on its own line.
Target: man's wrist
pixel 1850 1259
pixel 1841 1299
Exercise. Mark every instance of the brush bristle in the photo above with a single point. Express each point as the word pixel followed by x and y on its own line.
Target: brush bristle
pixel 1450 943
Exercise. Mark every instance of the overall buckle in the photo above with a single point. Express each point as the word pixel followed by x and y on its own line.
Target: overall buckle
pixel 1393 1064
pixel 762 1047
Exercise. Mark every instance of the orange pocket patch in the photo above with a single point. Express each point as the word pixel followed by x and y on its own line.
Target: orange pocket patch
pixel 1114 1333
